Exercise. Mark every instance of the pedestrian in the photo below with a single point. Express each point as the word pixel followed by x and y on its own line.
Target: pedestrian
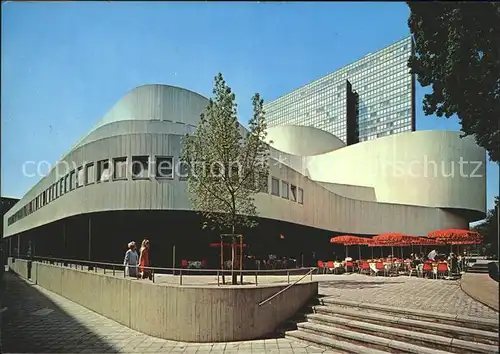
pixel 144 260
pixel 131 260
pixel 432 255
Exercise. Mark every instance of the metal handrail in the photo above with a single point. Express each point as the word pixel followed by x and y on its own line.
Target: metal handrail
pixel 286 288
pixel 179 271
pixel 79 261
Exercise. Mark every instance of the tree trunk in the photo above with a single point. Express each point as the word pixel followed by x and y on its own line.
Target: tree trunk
pixel 222 260
pixel 234 276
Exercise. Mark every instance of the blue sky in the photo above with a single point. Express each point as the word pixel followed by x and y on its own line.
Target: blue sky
pixel 65 64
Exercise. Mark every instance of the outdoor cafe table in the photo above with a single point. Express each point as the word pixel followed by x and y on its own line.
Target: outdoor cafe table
pixel 336 265
pixel 387 265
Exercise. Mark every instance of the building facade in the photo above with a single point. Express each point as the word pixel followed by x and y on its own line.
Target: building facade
pixel 368 99
pixel 114 185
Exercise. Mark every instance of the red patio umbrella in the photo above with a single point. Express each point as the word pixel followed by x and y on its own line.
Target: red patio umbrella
pixel 456 237
pixel 345 240
pixel 393 239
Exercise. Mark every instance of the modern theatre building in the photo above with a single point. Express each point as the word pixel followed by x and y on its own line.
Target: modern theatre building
pixel 412 182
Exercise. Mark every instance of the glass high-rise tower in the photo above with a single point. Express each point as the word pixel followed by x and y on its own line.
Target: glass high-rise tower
pixel 367 99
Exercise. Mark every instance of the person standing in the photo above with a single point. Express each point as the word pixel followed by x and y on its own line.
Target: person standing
pixel 432 255
pixel 131 260
pixel 144 260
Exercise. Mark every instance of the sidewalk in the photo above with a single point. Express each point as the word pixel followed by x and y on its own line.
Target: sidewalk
pixel 38 321
pixel 481 288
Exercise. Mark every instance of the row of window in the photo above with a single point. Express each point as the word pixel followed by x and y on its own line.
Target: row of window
pixel 116 169
pixel 139 167
pixel 319 108
pixel 377 62
pixel 377 75
pixel 287 190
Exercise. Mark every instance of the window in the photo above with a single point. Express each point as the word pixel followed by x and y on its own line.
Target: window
pixel 284 189
pixel 300 195
pixel 275 186
pixel 293 195
pixel 90 173
pixel 103 171
pixel 140 167
pixel 72 180
pixel 66 183
pixel 80 177
pixel 184 170
pixel 55 192
pixel 164 167
pixel 120 168
pixel 61 187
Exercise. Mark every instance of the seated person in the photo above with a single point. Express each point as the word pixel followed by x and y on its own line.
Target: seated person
pixel 415 262
pixel 440 257
pixel 453 260
pixel 432 255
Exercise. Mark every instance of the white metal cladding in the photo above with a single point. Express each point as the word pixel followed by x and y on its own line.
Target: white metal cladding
pixel 352 203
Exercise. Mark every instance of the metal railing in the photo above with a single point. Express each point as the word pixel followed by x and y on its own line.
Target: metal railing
pixel 159 274
pixel 288 287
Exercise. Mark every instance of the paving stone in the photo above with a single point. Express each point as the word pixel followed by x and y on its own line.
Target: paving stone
pixel 444 296
pixel 61 326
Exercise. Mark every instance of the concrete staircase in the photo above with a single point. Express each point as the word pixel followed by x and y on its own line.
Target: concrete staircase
pixel 344 326
pixel 478 268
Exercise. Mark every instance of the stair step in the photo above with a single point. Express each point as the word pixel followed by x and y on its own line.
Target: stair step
pixel 391 332
pixel 331 343
pixel 490 324
pixel 442 328
pixel 380 342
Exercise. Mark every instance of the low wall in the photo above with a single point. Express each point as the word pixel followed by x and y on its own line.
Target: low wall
pixel 481 288
pixel 493 270
pixel 183 313
pixel 18 266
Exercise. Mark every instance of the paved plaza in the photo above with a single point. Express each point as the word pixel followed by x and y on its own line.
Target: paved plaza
pixel 42 322
pixel 440 295
pixel 39 321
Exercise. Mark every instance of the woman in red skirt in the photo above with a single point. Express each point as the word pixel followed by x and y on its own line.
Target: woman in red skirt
pixel 144 260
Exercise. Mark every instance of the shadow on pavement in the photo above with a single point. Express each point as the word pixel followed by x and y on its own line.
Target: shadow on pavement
pixel 35 324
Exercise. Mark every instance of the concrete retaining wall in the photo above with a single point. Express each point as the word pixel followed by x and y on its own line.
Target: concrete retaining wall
pixel 18 266
pixel 184 313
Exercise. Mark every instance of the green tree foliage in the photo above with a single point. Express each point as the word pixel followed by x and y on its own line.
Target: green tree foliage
pixel 457 53
pixel 227 164
pixel 489 229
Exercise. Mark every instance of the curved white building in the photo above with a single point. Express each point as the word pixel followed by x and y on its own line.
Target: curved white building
pixel 317 185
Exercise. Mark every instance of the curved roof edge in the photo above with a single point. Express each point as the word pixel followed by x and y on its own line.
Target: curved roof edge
pixel 302 140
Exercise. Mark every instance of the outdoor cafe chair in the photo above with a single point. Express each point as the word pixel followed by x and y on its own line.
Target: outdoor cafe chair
pixel 349 264
pixel 330 266
pixel 427 269
pixel 380 267
pixel 321 267
pixel 364 267
pixel 442 269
